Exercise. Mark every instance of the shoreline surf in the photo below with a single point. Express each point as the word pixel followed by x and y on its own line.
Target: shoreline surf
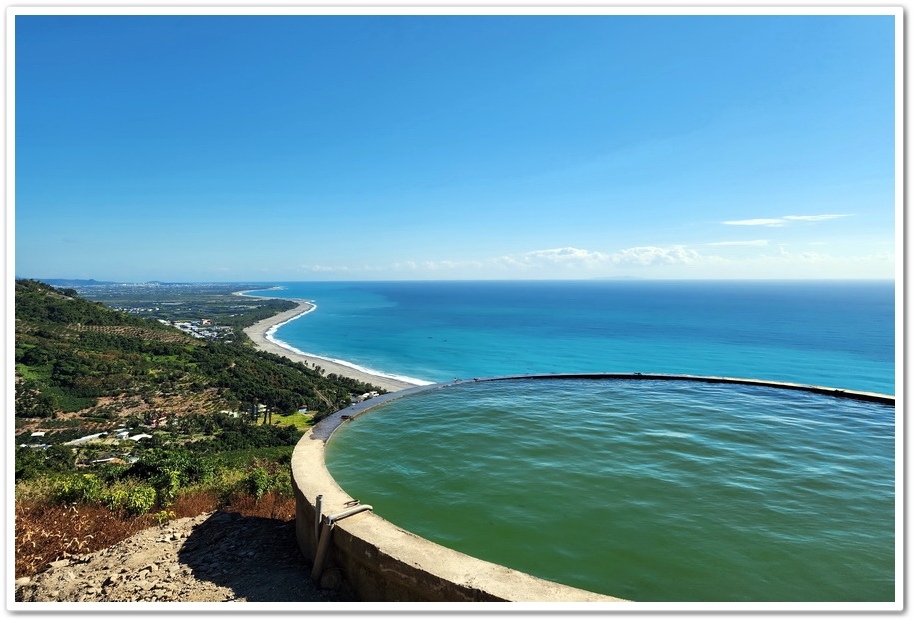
pixel 263 335
pixel 442 330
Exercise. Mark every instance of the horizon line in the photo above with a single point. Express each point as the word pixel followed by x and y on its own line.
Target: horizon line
pixel 441 280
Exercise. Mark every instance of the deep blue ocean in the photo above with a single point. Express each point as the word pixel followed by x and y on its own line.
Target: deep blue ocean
pixel 838 334
pixel 690 491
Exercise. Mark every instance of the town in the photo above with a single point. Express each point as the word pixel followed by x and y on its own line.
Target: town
pixel 202 328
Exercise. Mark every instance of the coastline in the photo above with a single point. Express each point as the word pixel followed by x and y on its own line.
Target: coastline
pixel 260 333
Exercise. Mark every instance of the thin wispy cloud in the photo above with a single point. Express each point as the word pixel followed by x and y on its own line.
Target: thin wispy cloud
pixel 739 243
pixel 816 217
pixel 570 260
pixel 565 256
pixel 651 256
pixel 571 257
pixel 762 257
pixel 784 220
pixel 758 222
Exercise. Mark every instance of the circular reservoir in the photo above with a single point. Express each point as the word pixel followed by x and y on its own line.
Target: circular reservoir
pixel 647 490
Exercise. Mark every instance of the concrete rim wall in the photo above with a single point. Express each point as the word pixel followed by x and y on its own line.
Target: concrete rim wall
pixel 382 562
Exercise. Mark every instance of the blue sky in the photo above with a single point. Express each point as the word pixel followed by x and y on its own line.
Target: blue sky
pixel 233 148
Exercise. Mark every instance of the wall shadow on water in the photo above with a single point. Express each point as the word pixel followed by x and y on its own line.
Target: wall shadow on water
pixel 258 558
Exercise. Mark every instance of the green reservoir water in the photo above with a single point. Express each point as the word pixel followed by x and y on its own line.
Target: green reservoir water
pixel 645 490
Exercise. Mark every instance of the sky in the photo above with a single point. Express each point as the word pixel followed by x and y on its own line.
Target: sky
pixel 375 147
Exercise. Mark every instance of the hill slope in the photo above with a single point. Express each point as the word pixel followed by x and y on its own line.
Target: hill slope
pixel 76 359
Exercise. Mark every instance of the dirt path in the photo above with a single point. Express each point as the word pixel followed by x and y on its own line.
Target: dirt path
pixel 216 557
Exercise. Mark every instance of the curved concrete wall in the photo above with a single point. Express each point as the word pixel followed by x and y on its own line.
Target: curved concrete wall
pixel 382 562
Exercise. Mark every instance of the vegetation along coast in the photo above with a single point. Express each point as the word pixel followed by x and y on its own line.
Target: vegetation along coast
pixel 134 416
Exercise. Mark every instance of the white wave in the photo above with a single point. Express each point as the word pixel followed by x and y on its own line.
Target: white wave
pixel 273 329
pixel 245 292
pixel 349 364
pixel 269 335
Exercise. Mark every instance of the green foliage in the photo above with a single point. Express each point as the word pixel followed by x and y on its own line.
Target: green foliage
pixel 171 468
pixel 243 459
pixel 32 402
pixel 30 462
pixel 231 433
pixel 77 489
pixel 136 499
pixel 70 352
pixel 68 403
pixel 166 486
pixel 259 481
pixel 163 517
pixel 283 479
pixel 59 458
pixel 299 420
pixel 263 476
pixel 36 301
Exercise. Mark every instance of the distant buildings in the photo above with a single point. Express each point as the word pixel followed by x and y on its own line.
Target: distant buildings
pixel 365 396
pixel 203 329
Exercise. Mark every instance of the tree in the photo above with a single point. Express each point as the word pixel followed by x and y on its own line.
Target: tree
pixel 32 402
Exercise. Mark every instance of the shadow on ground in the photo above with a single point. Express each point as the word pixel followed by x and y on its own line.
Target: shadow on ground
pixel 258 558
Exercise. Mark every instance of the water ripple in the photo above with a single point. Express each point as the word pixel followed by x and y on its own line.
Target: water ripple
pixel 646 490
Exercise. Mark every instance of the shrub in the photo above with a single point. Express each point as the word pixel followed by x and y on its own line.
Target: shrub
pixel 167 485
pixel 160 465
pixel 163 517
pixel 225 484
pixel 135 499
pixel 140 500
pixel 33 462
pixel 114 498
pixel 77 489
pixel 259 481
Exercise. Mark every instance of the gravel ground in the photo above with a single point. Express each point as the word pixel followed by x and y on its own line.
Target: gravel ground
pixel 216 557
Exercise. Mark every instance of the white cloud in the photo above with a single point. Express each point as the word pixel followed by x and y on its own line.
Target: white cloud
pixel 448 265
pixel 652 256
pixel 561 261
pixel 765 222
pixel 754 258
pixel 572 257
pixel 318 268
pixel 779 222
pixel 816 217
pixel 739 243
pixel 565 255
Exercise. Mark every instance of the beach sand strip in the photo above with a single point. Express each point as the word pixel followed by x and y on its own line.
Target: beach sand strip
pixel 258 334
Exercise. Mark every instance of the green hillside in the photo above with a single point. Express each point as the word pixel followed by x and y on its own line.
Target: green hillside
pixel 78 360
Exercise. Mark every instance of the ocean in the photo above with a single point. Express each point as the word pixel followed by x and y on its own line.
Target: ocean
pixel 648 491
pixel 837 334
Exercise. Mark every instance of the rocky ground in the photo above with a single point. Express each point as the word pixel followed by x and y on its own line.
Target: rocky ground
pixel 216 557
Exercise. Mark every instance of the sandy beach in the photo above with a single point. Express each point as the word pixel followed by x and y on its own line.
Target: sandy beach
pixel 258 334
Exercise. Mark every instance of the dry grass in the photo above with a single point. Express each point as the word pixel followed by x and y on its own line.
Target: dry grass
pixel 45 533
pixel 271 505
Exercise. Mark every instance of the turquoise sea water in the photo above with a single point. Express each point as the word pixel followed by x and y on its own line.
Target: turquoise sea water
pixel 705 493
pixel 839 334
